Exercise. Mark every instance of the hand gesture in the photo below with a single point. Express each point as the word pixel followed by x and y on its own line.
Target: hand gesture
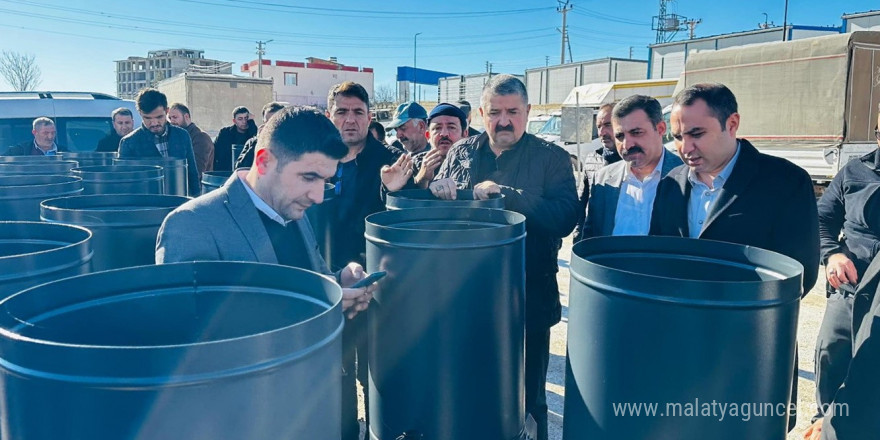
pixel 431 162
pixel 396 176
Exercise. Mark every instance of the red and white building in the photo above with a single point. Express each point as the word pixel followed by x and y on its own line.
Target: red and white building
pixel 308 83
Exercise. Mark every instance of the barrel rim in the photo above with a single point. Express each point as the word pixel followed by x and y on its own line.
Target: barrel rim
pixel 400 199
pixel 44 225
pixel 53 165
pixel 61 209
pixel 53 181
pixel 787 270
pixel 331 307
pixel 125 170
pixel 513 228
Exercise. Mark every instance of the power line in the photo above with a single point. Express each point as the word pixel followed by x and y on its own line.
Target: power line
pixel 355 13
pixel 611 18
pixel 225 30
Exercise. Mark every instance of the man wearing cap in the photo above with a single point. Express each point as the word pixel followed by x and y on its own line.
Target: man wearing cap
pixel 410 123
pixel 446 125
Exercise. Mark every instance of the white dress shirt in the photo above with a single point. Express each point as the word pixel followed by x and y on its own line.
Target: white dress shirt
pixel 703 198
pixel 636 202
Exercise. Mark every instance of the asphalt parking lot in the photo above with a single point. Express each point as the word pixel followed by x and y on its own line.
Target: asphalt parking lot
pixel 812 309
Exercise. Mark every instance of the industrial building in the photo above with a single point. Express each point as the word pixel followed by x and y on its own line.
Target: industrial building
pixel 307 83
pixel 135 73
pixel 551 84
pixel 467 87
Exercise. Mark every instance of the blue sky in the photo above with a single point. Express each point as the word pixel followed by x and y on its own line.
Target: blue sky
pixel 76 42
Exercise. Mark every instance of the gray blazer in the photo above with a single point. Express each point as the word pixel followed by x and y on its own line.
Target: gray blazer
pixel 224 225
pixel 605 191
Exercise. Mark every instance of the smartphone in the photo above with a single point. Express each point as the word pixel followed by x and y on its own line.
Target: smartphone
pixel 370 279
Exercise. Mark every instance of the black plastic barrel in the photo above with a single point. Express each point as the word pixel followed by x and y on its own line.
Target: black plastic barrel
pixel 121 179
pixel 20 196
pixel 39 168
pixel 236 151
pixel 321 217
pixel 675 324
pixel 207 350
pixel 33 253
pixel 91 158
pixel 423 198
pixel 212 180
pixel 173 168
pixel 124 225
pixel 447 324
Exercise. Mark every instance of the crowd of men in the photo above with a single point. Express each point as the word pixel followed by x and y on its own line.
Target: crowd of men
pixel 717 187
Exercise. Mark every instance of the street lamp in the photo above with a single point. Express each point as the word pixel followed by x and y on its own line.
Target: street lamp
pixel 415 70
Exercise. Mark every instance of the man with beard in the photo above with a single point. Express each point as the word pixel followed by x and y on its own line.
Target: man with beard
pixel 537 181
pixel 729 191
pixel 246 158
pixel 157 138
pixel 623 193
pixel 123 124
pixel 609 154
pixel 242 129
pixel 203 147
pixel 409 123
pixel 447 124
pixel 358 188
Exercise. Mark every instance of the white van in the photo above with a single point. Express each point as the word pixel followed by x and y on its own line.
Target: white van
pixel 81 118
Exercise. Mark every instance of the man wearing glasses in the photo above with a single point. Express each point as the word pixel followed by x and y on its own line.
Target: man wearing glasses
pixel 851 205
pixel 358 187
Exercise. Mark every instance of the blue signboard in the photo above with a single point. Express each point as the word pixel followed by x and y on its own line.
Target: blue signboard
pixel 421 76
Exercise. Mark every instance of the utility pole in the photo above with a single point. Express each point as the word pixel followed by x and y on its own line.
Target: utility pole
pixel 692 27
pixel 261 50
pixel 563 9
pixel 546 60
pixel 630 52
pixel 785 23
pixel 415 70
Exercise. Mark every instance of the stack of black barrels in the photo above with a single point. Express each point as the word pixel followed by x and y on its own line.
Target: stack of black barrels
pixel 98 342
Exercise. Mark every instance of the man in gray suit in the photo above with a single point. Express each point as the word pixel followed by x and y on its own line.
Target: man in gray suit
pixel 258 214
pixel 622 194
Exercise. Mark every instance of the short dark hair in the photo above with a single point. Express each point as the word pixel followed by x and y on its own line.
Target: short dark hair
pixel 503 85
pixel 239 110
pixel 349 89
pixel 647 104
pixel 380 129
pixel 149 99
pixel 184 110
pixel 718 98
pixel 271 107
pixel 295 131
pixel 465 106
pixel 121 111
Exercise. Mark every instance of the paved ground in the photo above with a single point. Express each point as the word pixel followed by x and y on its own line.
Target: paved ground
pixel 812 308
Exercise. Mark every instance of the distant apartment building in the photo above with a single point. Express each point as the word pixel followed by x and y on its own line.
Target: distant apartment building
pixel 307 83
pixel 135 73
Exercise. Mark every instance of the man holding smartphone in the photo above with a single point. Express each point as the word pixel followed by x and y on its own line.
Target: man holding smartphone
pixel 259 214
